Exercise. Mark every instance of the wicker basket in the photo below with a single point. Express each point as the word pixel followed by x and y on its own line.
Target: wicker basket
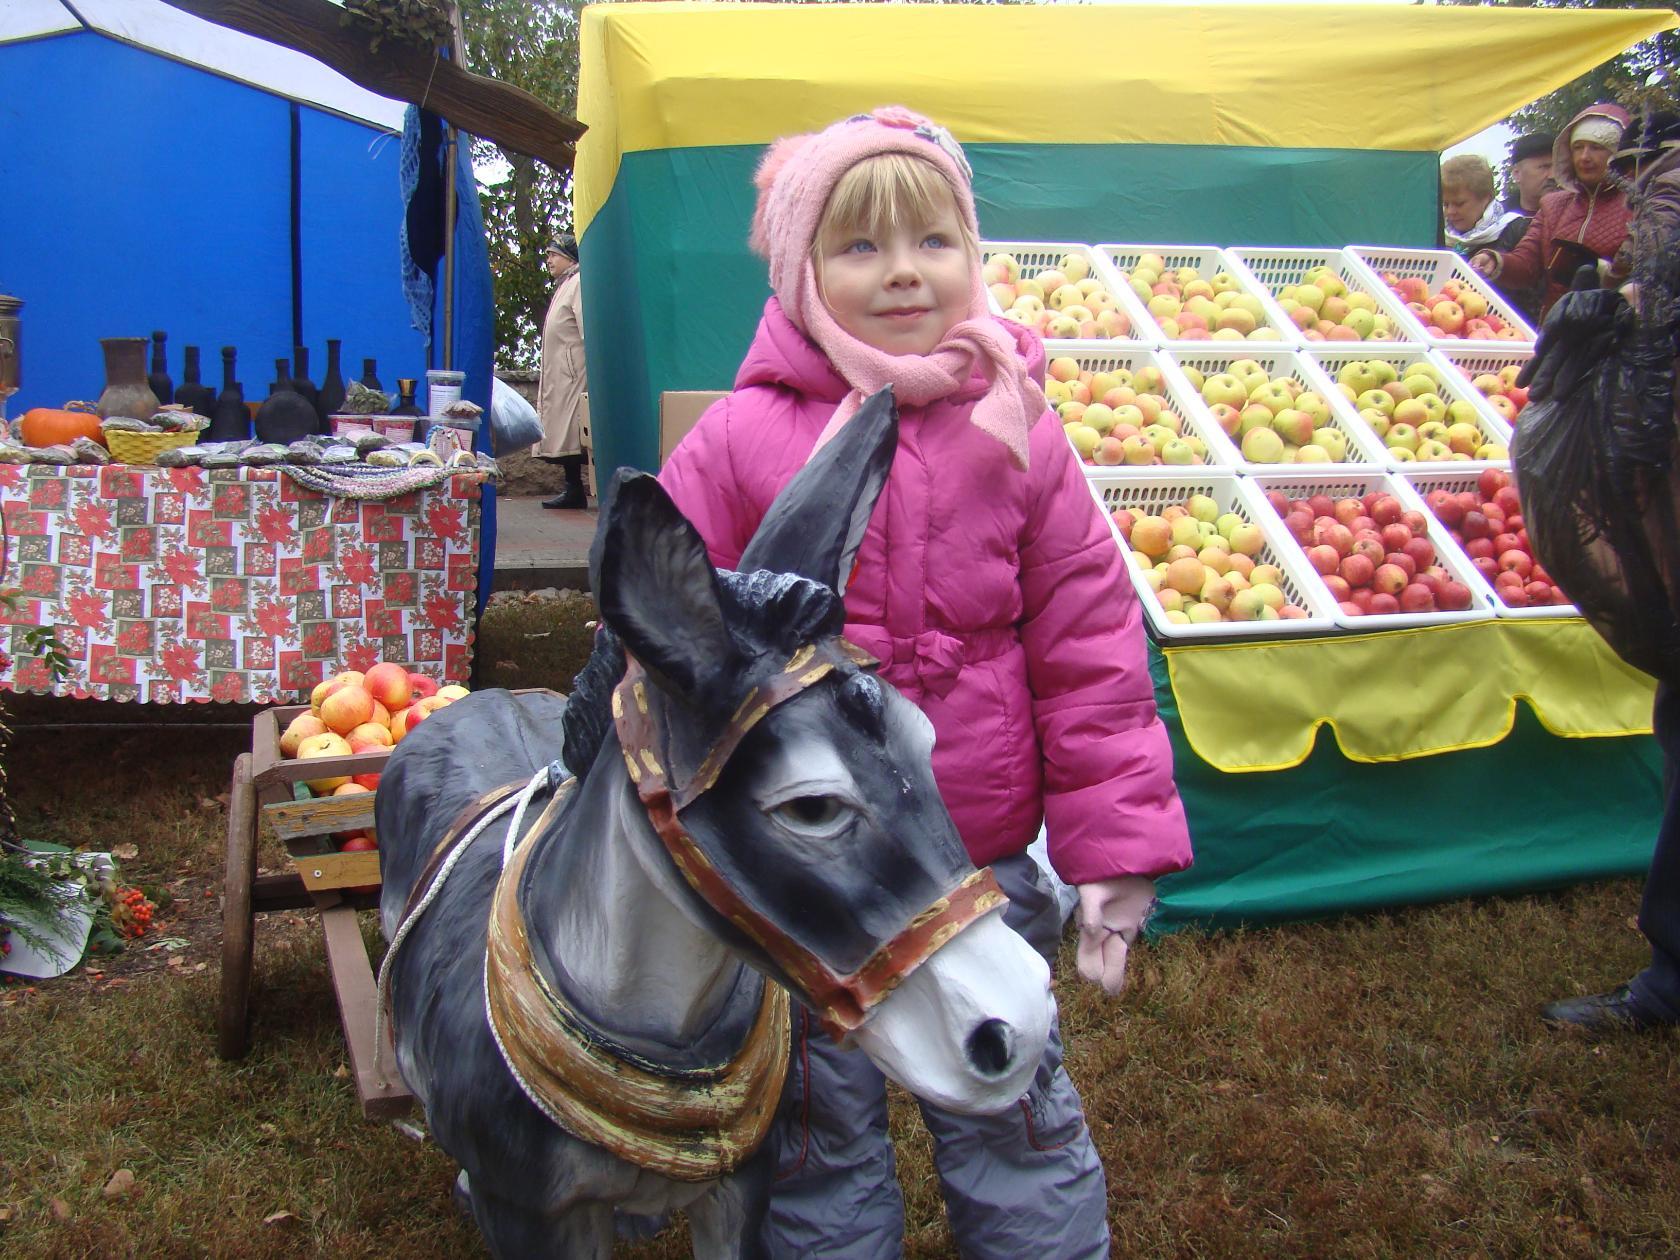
pixel 144 448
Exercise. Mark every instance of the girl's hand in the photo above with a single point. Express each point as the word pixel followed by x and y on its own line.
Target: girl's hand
pixel 1484 262
pixel 1111 912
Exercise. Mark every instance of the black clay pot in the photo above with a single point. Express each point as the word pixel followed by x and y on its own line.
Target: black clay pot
pixel 285 415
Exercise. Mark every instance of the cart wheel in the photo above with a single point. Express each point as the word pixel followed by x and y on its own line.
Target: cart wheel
pixel 238 921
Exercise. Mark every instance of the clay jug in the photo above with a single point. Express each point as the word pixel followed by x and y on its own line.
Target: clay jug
pixel 301 384
pixel 158 378
pixel 191 392
pixel 332 384
pixel 126 392
pixel 230 418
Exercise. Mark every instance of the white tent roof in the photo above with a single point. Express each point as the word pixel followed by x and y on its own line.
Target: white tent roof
pixel 173 33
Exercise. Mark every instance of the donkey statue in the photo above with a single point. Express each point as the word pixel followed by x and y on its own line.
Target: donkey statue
pixel 593 1004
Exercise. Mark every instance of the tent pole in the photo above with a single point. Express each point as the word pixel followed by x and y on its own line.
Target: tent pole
pixel 457 54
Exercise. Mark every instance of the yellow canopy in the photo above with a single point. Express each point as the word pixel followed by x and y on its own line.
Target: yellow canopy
pixel 1419 78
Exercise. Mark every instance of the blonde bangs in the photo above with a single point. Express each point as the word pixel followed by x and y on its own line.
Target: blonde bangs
pixel 881 193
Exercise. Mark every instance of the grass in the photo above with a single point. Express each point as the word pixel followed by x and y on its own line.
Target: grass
pixel 1366 1087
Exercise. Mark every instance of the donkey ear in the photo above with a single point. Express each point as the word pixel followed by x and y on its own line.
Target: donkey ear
pixel 817 522
pixel 657 590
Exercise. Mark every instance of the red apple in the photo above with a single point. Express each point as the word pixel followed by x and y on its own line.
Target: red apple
pixel 1357 570
pixel 1338 587
pixel 1417 598
pixel 1475 525
pixel 1454 597
pixel 1321 505
pixel 1324 558
pixel 1487 566
pixel 1387 510
pixel 1517 562
pixel 1371 549
pixel 421 686
pixel 1349 510
pixel 1395 536
pixel 1350 609
pixel 1279 502
pixel 1492 481
pixel 1384 605
pixel 1403 562
pixel 1389 579
pixel 1421 550
pixel 387 682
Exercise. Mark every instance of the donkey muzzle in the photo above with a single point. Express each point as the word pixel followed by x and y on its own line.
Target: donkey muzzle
pixel 966 1030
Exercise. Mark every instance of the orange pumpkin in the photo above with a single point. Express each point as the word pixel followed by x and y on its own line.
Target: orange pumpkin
pixel 51 426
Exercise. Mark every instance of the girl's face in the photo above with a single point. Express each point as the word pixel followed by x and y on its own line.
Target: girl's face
pixel 899 289
pixel 1590 161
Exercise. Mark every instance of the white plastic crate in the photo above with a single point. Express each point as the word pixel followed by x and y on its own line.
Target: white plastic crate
pixel 1419 480
pixel 1272 269
pixel 1302 485
pixel 1114 356
pixel 1209 261
pixel 1436 267
pixel 1279 362
pixel 1155 489
pixel 1037 255
pixel 1467 362
pixel 1453 389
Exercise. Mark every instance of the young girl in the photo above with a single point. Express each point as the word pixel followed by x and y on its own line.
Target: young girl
pixel 993 594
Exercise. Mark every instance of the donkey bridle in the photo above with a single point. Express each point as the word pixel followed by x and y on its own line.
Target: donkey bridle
pixel 841 1002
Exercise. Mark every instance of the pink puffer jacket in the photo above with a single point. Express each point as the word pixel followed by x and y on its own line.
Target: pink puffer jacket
pixel 996 601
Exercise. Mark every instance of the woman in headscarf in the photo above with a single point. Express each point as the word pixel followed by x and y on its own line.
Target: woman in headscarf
pixel 564 380
pixel 1582 224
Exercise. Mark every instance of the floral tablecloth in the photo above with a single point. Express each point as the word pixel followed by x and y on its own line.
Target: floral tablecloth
pixel 179 584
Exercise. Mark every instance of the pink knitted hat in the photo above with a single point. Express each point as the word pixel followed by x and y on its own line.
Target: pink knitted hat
pixel 794 182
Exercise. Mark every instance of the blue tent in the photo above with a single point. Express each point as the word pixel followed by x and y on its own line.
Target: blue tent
pixel 163 172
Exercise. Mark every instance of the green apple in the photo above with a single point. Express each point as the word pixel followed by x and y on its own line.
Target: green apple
pixel 1383 370
pixel 1224 388
pixel 1376 400
pixel 1431 451
pixel 1432 431
pixel 1249 372
pixel 1378 420
pixel 1262 446
pixel 1312 453
pixel 1434 405
pixel 1357 376
pixel 1083 437
pixel 1293 426
pixel 1139 451
pixel 1314 405
pixel 1177 451
pixel 1417 383
pixel 1274 396
pixel 1254 416
pixel 1100 417
pixel 1332 441
pixel 1226 523
pixel 1203 507
pixel 1403 437
pixel 1194 376
pixel 1310 296
pixel 1361 321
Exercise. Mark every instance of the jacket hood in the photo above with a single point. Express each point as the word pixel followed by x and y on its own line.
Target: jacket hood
pixel 1563 169
pixel 1667 163
pixel 782 355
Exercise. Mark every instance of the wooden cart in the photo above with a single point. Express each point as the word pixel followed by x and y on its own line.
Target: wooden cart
pixel 334 884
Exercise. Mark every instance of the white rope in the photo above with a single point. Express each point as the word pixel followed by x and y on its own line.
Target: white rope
pixel 545 778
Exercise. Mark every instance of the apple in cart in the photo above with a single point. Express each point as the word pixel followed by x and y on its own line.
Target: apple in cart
pixel 300 728
pixel 324 745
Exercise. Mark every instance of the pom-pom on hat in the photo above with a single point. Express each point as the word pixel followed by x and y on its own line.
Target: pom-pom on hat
pixel 794 181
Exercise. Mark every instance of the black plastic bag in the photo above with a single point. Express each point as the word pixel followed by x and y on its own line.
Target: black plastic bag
pixel 1594 457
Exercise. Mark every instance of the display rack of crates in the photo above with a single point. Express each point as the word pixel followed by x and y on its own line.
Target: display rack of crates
pixel 1435 267
pixel 1454 389
pixel 1272 269
pixel 1208 261
pixel 1279 362
pixel 1153 490
pixel 1302 485
pixel 1194 419
pixel 1038 255
pixel 1419 480
pixel 1469 362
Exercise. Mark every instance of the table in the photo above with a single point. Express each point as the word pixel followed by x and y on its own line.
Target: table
pixel 168 585
pixel 1367 771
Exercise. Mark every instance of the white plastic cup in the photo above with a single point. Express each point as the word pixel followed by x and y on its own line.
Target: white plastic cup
pixel 442 388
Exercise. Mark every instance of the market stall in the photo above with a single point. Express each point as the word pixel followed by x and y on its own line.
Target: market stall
pixel 266 203
pixel 1083 123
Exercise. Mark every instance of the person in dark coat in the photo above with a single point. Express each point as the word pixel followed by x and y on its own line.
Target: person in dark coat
pixel 1651 162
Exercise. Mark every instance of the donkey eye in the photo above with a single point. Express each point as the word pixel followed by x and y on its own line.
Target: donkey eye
pixel 812 813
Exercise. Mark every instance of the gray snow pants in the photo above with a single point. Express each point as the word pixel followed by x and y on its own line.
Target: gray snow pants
pixel 1023 1184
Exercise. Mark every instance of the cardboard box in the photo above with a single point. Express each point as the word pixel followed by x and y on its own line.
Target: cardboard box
pixel 679 410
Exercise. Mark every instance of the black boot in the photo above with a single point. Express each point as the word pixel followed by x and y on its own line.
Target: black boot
pixel 573 498
pixel 1615 1011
